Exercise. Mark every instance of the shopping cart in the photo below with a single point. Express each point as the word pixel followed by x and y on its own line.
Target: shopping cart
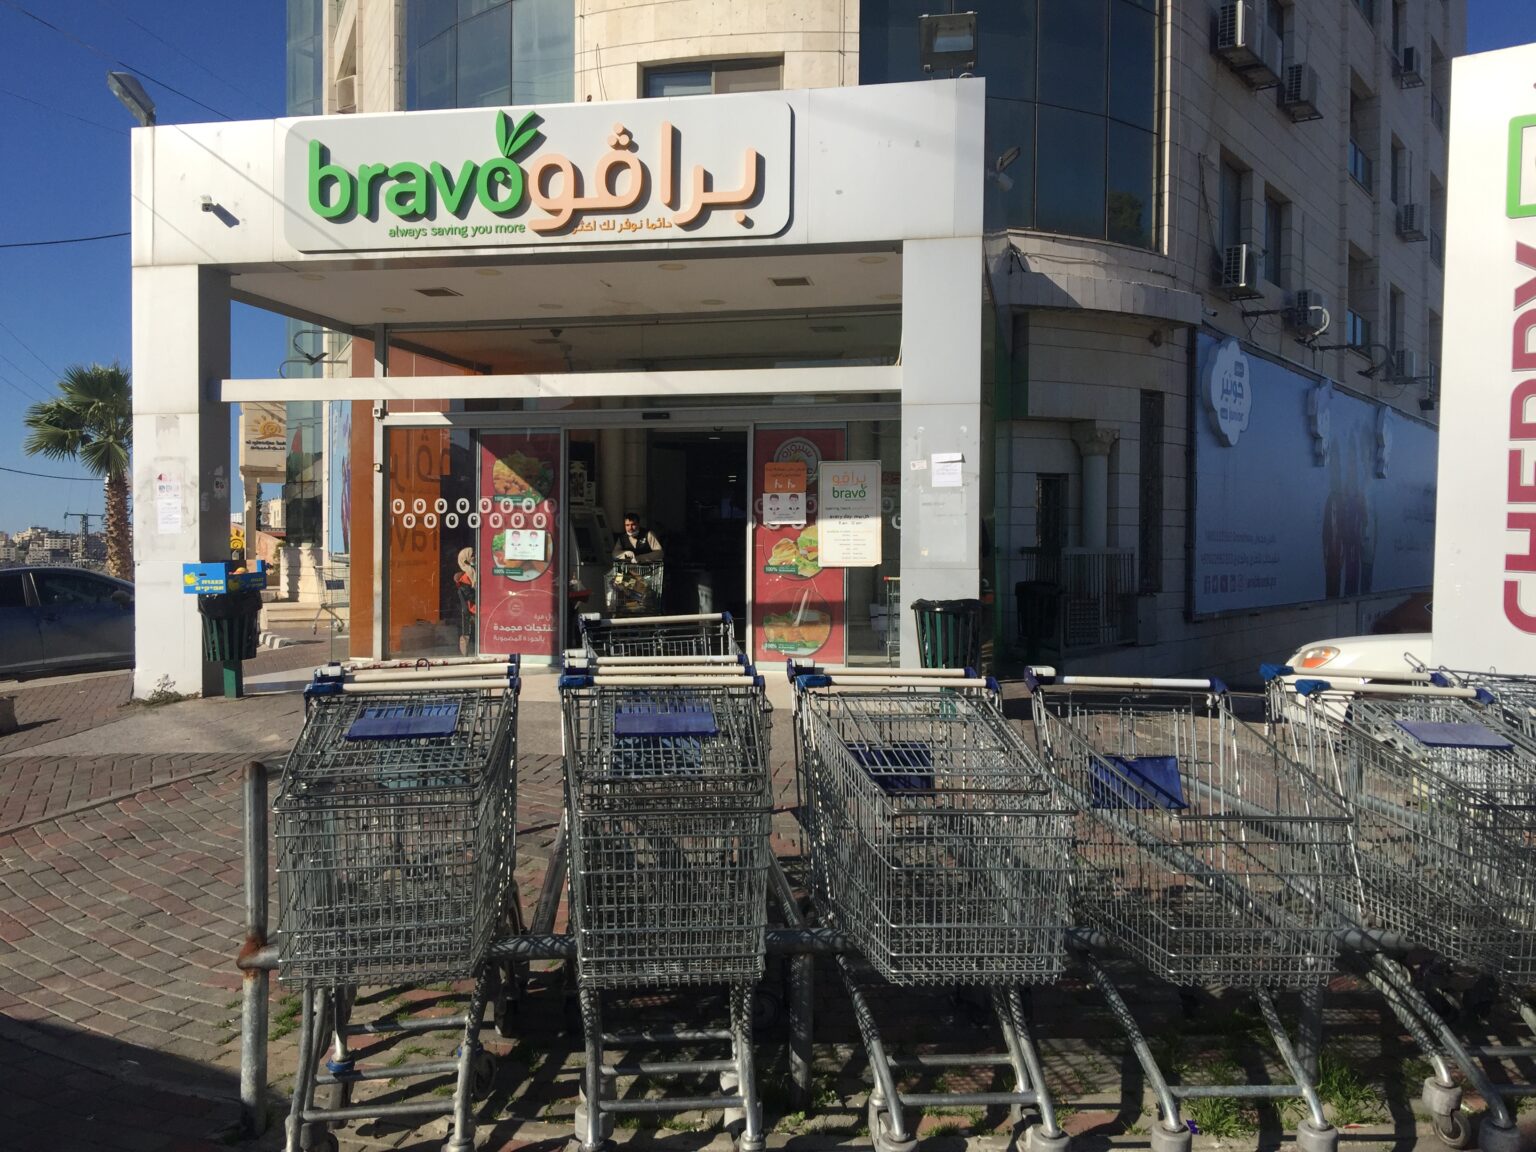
pixel 706 637
pixel 1204 852
pixel 1444 797
pixel 668 803
pixel 938 848
pixel 1514 697
pixel 632 589
pixel 394 828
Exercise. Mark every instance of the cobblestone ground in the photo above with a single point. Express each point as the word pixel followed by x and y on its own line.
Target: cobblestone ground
pixel 120 915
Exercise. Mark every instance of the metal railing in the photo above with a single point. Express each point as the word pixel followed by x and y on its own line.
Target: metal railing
pixel 1076 598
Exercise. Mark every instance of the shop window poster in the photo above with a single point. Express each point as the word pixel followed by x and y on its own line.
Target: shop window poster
pixel 519 504
pixel 799 607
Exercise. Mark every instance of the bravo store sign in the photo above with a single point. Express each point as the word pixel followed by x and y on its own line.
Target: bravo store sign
pixel 1485 556
pixel 656 170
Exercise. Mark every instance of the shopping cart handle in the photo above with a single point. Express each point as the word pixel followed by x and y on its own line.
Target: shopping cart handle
pixel 1440 680
pixel 1312 687
pixel 1034 677
pixel 1275 671
pixel 812 680
pixel 574 680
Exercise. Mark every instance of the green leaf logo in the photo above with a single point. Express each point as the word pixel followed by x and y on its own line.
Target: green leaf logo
pixel 510 139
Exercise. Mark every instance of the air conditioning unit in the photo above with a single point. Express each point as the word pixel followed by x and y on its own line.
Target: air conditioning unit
pixel 1243 42
pixel 1240 272
pixel 1405 364
pixel 1308 312
pixel 1407 67
pixel 1411 223
pixel 346 94
pixel 1298 93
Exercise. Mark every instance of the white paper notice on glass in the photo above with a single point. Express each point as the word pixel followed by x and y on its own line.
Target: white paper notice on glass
pixel 525 544
pixel 848 511
pixel 168 518
pixel 946 469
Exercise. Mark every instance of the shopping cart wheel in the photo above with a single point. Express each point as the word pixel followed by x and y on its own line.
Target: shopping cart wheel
pixel 1453 1128
pixel 880 1131
pixel 1491 1138
pixel 506 1004
pixel 1166 1139
pixel 1037 1141
pixel 482 1075
pixel 1313 1139
pixel 323 1142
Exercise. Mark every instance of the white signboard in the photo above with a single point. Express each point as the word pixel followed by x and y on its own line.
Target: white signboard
pixel 263 436
pixel 525 544
pixel 537 176
pixel 1485 554
pixel 848 511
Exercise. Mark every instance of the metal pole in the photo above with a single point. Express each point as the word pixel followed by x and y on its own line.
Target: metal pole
pixel 253 981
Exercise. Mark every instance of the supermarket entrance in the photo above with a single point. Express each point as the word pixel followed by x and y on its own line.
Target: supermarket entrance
pixel 689 487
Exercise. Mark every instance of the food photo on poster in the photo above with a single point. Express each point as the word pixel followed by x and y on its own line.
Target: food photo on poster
pixel 799 606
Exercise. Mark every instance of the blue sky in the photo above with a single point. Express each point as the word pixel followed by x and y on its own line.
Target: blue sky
pixel 65 143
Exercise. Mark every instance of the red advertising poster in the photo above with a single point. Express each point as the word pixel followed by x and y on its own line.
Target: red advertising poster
pixel 798 606
pixel 519 543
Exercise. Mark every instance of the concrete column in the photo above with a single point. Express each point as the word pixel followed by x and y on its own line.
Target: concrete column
pixel 1094 440
pixel 180 448
pixel 610 469
pixel 940 413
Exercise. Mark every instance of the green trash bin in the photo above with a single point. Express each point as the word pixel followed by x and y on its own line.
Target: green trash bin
pixel 948 633
pixel 231 630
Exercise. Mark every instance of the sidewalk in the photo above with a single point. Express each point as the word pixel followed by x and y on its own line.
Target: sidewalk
pixel 120 916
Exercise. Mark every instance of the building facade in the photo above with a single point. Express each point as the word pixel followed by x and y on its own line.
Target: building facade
pixel 1162 177
pixel 1189 420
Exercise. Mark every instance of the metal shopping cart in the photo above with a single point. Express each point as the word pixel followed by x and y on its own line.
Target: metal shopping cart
pixel 701 638
pixel 1204 852
pixel 938 848
pixel 667 797
pixel 1444 797
pixel 633 589
pixel 1514 697
pixel 394 827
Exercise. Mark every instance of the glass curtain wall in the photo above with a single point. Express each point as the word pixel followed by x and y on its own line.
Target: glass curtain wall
pixel 1072 85
pixel 481 53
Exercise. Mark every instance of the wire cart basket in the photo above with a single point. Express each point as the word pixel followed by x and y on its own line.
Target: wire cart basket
pixel 1443 790
pixel 669 806
pixel 702 638
pixel 1204 852
pixel 394 828
pixel 632 589
pixel 940 850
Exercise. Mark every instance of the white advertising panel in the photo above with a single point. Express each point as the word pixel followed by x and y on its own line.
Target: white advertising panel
pixel 1485 555
pixel 1303 492
pixel 848 507
pixel 263 437
pixel 563 173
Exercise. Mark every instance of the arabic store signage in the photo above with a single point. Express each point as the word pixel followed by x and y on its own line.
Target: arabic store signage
pixel 562 174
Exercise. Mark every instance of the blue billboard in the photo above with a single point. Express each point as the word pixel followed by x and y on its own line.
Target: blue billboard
pixel 1303 492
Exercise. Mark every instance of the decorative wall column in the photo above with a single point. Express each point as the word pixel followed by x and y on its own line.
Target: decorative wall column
pixel 181 467
pixel 940 420
pixel 1094 440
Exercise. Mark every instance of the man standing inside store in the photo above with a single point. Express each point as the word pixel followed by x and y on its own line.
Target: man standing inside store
pixel 636 544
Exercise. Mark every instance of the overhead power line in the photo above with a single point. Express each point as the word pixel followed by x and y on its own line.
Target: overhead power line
pixel 69 240
pixel 193 60
pixel 51 369
pixel 105 55
pixel 61 112
pixel 46 476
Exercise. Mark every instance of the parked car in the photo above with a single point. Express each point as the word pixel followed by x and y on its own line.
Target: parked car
pixel 1354 655
pixel 55 620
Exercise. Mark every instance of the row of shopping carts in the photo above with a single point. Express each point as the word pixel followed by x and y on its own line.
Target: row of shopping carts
pixel 947 845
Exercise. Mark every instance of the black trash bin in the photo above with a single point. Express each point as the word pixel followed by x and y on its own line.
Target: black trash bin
pixel 948 633
pixel 231 629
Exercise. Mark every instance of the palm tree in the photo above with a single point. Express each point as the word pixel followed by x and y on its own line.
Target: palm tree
pixel 91 421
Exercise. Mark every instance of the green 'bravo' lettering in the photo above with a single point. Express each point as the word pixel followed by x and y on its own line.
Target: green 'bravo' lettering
pixel 453 191
pixel 411 194
pixel 319 173
pixel 368 177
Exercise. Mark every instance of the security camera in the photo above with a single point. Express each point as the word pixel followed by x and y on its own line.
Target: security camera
pixel 1211 313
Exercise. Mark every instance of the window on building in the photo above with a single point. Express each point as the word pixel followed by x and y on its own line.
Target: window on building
pixel 1072 85
pixel 1051 511
pixel 712 77
pixel 1439 87
pixel 1361 166
pixel 1399 174
pixel 1274 22
pixel 1359 319
pixel 1395 332
pixel 1399 26
pixel 1274 240
pixel 1436 221
pixel 1367 9
pixel 1231 193
pixel 481 53
pixel 1149 550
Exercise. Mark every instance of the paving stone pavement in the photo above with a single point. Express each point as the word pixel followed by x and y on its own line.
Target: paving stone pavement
pixel 120 915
